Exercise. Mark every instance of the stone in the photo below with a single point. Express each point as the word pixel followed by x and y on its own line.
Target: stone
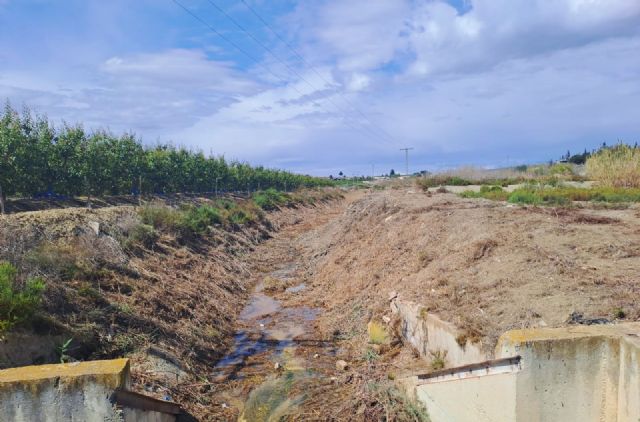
pixel 95 227
pixel 386 319
pixel 342 365
pixel 276 366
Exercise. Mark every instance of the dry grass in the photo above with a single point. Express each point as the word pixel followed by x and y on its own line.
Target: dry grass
pixel 377 333
pixel 274 285
pixel 618 166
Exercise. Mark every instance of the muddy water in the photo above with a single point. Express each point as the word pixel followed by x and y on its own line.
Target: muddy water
pixel 274 343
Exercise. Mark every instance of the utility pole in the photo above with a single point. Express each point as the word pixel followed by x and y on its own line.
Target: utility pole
pixel 406 159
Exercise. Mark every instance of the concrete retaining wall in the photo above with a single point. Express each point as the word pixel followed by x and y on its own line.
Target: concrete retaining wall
pixel 429 334
pixel 586 373
pixel 86 391
pixel 575 373
pixel 66 392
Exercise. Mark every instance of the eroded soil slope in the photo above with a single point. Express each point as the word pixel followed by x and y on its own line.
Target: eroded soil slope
pixel 486 266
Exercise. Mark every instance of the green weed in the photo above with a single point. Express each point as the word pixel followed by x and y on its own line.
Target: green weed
pixel 17 303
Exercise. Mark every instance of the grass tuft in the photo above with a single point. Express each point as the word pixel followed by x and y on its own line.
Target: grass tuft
pixel 377 333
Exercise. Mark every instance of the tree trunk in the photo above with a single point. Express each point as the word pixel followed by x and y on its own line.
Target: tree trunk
pixel 2 199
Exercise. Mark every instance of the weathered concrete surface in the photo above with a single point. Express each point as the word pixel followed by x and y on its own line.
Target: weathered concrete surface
pixel 576 373
pixel 429 334
pixel 582 373
pixel 490 398
pixel 86 391
pixel 446 392
pixel 64 392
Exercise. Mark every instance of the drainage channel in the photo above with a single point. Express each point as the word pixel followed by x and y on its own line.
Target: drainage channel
pixel 274 343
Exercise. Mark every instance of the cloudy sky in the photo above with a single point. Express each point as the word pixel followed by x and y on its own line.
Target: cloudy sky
pixel 321 86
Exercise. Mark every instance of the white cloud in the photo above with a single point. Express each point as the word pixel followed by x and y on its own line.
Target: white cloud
pixel 504 77
pixel 148 93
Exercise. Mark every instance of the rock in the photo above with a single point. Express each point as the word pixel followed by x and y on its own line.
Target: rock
pixel 276 366
pixel 342 365
pixel 316 356
pixel 95 227
pixel 386 319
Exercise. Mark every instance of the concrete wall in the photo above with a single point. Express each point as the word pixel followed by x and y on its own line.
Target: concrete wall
pixel 84 392
pixel 575 373
pixel 585 373
pixel 428 333
pixel 490 398
pixel 65 392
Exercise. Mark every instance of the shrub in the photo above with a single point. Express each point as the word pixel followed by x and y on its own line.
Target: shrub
pixel 561 169
pixel 271 199
pixel 524 196
pixel 618 166
pixel 198 220
pixel 143 234
pixel 160 217
pixel 495 193
pixel 241 216
pixel 17 304
pixel 442 180
pixel 486 189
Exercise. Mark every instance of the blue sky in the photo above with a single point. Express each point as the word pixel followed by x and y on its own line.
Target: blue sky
pixel 484 82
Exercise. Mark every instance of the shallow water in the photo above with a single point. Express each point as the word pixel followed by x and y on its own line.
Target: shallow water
pixel 270 334
pixel 296 289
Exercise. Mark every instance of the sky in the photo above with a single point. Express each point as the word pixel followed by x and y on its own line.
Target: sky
pixel 322 86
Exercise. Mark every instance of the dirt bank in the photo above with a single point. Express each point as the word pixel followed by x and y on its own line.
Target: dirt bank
pixel 486 266
pixel 171 306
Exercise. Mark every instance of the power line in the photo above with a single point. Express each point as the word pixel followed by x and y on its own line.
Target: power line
pixel 310 66
pixel 250 56
pixel 286 65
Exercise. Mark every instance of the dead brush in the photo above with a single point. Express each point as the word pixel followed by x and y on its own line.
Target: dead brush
pixel 438 359
pixel 483 248
pixel 618 166
pixel 425 258
pixel 16 242
pixel 272 284
pixel 80 257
